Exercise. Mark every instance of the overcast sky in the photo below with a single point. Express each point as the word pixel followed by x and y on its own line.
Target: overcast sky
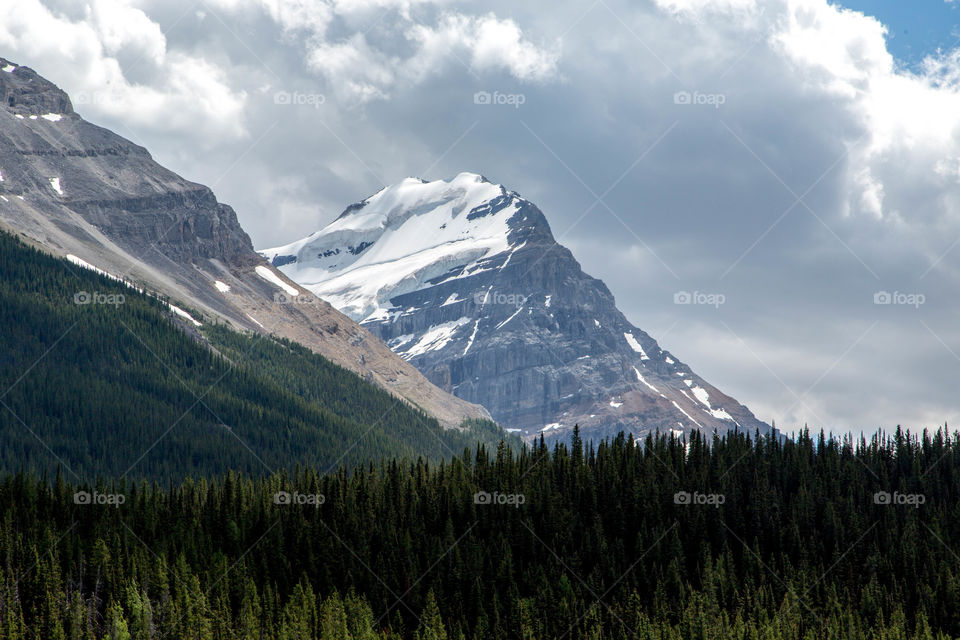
pixel 791 156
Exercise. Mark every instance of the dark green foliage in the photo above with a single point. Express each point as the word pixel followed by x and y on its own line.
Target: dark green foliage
pixel 114 389
pixel 599 548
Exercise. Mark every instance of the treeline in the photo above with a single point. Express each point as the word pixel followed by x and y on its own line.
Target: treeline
pixel 99 380
pixel 736 537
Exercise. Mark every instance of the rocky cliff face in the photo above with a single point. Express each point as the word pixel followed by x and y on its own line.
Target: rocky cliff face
pixel 81 190
pixel 464 280
pixel 60 160
pixel 26 93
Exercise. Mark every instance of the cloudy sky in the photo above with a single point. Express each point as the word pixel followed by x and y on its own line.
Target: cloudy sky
pixel 792 158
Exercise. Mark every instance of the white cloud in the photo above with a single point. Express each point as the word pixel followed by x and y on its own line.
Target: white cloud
pixel 121 26
pixel 695 7
pixel 488 43
pixel 358 69
pixel 871 193
pixel 360 61
pixel 848 47
pixel 353 68
pixel 909 121
pixel 315 17
pixel 186 93
pixel 845 52
pixel 300 14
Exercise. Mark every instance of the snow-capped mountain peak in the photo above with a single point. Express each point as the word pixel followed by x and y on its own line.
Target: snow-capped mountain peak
pixel 463 279
pixel 400 239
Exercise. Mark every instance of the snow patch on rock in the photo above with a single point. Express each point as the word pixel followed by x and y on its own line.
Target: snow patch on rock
pixel 183 314
pixel 272 278
pixel 680 409
pixel 702 395
pixel 635 346
pixel 434 338
pixel 640 379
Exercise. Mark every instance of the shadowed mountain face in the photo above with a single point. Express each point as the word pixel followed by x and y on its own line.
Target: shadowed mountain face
pixel 464 279
pixel 82 191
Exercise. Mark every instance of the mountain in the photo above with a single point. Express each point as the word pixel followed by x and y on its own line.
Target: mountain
pixel 81 191
pixel 98 379
pixel 464 279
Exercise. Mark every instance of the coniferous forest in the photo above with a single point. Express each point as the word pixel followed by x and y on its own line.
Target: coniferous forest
pixel 126 390
pixel 737 537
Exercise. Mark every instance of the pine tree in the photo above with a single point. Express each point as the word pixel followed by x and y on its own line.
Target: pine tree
pixel 333 619
pixel 250 615
pixel 431 624
pixel 117 625
pixel 360 618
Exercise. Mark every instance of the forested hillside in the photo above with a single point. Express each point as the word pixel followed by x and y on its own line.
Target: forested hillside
pixel 735 538
pixel 98 379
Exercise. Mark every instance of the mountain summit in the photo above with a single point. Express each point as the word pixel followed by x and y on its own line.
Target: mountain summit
pixel 464 279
